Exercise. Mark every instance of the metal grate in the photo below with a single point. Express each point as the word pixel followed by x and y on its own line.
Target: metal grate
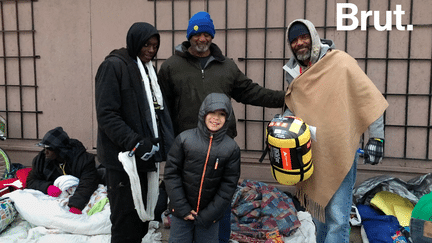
pixel 402 128
pixel 17 57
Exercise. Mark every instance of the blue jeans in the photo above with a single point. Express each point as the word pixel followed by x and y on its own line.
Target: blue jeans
pixel 337 212
pixel 185 231
pixel 417 229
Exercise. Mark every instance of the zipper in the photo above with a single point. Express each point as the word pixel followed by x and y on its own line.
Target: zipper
pixel 203 174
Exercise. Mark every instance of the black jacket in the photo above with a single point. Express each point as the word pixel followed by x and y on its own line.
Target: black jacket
pixel 79 163
pixel 123 113
pixel 186 84
pixel 187 159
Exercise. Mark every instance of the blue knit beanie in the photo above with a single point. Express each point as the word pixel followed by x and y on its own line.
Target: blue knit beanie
pixel 296 30
pixel 199 23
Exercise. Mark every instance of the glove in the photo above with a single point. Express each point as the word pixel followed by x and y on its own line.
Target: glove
pixel 54 191
pixel 145 146
pixel 374 151
pixel 75 210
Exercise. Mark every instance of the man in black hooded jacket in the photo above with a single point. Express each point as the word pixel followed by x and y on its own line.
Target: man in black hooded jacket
pixel 64 156
pixel 130 111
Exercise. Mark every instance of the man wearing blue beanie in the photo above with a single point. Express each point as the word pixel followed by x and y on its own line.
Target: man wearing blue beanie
pixel 199 68
pixel 200 23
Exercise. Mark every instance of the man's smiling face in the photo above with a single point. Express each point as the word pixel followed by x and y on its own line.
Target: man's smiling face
pixel 302 46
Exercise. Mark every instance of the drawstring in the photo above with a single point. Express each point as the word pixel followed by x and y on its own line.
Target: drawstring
pixel 62 168
pixel 203 175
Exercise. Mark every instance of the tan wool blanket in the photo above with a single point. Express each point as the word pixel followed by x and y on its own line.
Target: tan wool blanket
pixel 338 98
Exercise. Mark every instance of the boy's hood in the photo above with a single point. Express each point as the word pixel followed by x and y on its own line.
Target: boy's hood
pixel 213 102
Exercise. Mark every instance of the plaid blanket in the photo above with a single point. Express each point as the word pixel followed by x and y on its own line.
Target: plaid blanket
pixel 258 208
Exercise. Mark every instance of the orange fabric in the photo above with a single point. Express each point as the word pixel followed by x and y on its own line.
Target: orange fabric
pixel 286 159
pixel 203 174
pixel 338 98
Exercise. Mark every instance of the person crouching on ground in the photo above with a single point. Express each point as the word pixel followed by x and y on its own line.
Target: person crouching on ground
pixel 201 173
pixel 64 156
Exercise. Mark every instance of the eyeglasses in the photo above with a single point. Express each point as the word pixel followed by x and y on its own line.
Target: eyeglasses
pixel 148 155
pixel 45 146
pixel 40 144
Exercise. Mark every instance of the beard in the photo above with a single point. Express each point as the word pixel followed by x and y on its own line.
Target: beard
pixel 305 56
pixel 202 47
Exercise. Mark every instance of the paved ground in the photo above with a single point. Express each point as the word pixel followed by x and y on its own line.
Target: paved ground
pixel 165 233
pixel 354 238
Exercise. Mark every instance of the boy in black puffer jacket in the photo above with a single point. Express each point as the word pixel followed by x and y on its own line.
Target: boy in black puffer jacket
pixel 201 173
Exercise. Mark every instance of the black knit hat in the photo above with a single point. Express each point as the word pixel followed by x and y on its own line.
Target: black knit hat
pixel 297 29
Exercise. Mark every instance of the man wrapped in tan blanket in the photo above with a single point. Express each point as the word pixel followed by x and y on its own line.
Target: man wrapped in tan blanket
pixel 329 90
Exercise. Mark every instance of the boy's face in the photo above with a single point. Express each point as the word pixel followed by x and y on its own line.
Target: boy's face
pixel 215 120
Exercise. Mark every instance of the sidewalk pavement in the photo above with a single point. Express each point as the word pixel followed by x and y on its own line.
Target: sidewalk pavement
pixel 165 233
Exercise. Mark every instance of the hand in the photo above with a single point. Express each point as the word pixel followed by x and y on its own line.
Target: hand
pixel 75 210
pixel 54 191
pixel 145 146
pixel 191 216
pixel 374 151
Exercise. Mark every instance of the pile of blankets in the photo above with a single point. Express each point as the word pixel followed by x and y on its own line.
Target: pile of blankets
pixel 386 207
pixel 42 218
pixel 259 208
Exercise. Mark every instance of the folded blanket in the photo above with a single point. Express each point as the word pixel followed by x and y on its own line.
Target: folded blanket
pixel 67 184
pixel 64 182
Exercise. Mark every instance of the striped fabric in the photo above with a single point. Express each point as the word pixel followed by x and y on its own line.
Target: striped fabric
pixel 374 151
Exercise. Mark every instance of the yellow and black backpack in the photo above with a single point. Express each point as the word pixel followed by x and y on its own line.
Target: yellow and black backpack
pixel 289 148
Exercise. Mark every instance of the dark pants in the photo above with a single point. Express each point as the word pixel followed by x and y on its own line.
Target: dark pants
pixel 185 231
pixel 126 224
pixel 225 226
